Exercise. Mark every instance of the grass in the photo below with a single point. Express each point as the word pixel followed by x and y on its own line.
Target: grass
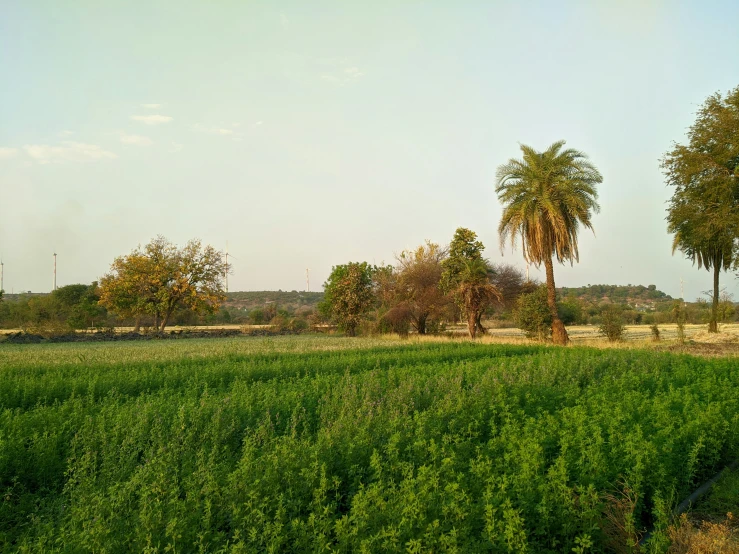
pixel 325 444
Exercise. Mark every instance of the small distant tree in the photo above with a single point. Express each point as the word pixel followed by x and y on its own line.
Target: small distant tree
pixel 348 295
pixel 256 316
pixel 654 328
pixel 532 314
pixel 476 292
pixel 726 308
pixel 612 323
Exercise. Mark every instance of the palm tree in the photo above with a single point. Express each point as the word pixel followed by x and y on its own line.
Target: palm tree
pixel 476 292
pixel 547 195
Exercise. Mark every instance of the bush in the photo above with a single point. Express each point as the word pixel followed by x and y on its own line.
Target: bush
pixel 655 332
pixel 532 316
pixel 612 324
pixel 298 325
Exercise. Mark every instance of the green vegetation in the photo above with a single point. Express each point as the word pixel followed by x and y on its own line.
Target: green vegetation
pixel 349 295
pixel 295 445
pixel 704 209
pixel 612 324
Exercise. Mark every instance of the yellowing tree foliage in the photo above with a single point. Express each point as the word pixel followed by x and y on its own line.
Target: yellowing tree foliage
pixel 161 277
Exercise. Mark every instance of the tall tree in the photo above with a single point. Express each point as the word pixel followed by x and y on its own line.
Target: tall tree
pixel 703 212
pixel 348 295
pixel 547 196
pixel 476 292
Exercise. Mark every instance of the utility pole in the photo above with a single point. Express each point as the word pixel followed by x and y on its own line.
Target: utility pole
pixel 225 276
pixel 307 280
pixel 682 292
pixel 54 271
pixel 2 271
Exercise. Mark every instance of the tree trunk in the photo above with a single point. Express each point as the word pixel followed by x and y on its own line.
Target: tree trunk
pixel 713 324
pixel 478 323
pixel 471 323
pixel 137 325
pixel 559 333
pixel 421 324
pixel 165 319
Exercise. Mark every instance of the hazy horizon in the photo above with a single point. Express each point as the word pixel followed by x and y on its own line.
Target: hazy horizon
pixel 306 136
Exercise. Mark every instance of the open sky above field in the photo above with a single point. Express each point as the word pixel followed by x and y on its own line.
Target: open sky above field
pixel 308 134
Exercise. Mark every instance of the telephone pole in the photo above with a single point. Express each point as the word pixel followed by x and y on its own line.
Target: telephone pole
pixel 307 280
pixel 54 271
pixel 2 271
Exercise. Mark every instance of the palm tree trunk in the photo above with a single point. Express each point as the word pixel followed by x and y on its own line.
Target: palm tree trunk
pixel 713 324
pixel 471 323
pixel 559 333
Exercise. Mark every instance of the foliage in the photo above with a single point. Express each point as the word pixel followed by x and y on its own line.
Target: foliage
pixel 532 314
pixel 511 283
pixel 546 197
pixel 476 293
pixel 348 295
pixel 464 248
pixel 570 312
pixel 721 536
pixel 417 284
pixel 306 445
pixel 654 328
pixel 79 305
pixel 678 314
pixel 703 213
pixel 161 278
pixel 612 324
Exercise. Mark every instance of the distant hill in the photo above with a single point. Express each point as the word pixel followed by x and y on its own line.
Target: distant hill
pixel 290 301
pixel 636 296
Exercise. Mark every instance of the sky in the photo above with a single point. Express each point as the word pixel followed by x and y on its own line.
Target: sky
pixel 310 134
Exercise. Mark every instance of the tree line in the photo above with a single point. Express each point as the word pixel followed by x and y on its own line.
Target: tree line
pixel 547 198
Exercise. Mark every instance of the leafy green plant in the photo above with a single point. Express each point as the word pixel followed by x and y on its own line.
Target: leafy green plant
pixel 532 314
pixel 289 444
pixel 612 324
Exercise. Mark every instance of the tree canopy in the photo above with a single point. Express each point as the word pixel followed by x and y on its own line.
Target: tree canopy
pixel 349 295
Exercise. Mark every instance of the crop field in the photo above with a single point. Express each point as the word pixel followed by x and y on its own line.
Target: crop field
pixel 323 444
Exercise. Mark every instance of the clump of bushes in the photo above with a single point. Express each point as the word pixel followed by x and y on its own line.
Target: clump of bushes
pixel 612 324
pixel 532 315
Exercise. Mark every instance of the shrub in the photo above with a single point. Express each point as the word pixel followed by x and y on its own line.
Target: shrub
pixel 612 324
pixel 655 332
pixel 532 315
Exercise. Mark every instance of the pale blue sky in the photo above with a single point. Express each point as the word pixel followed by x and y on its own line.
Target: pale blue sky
pixel 308 134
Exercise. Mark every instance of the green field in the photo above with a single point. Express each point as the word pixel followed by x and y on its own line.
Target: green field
pixel 300 444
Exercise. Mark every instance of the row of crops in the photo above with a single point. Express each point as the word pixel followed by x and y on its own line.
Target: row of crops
pixel 438 447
